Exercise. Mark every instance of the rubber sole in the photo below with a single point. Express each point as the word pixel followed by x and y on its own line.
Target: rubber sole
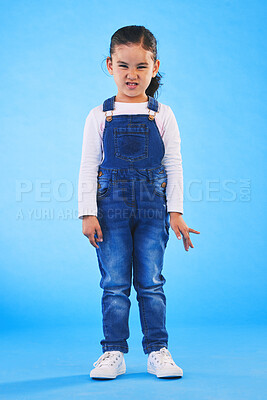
pixel 103 376
pixel 165 375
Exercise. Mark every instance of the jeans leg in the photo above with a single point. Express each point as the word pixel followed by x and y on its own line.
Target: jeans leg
pixel 115 264
pixel 150 239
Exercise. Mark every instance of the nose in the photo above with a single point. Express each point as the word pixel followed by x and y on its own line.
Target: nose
pixel 132 74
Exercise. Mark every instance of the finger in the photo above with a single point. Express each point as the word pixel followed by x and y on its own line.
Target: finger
pixel 92 238
pixel 185 233
pixel 99 234
pixel 186 243
pixel 178 234
pixel 193 230
pixel 190 243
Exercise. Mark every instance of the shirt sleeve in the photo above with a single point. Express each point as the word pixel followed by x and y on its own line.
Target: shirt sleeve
pixel 90 160
pixel 172 162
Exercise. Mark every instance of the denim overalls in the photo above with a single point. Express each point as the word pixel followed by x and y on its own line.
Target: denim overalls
pixel 131 199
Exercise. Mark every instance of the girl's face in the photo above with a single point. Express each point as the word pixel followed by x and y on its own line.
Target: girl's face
pixel 132 68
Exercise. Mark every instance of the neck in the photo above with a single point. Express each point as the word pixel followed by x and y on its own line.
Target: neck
pixel 127 99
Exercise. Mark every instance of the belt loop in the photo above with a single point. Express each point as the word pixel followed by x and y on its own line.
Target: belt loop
pixel 114 174
pixel 150 175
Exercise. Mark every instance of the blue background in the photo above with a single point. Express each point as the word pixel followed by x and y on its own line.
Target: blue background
pixel 213 62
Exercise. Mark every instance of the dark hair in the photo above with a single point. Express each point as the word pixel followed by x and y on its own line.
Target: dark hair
pixel 138 34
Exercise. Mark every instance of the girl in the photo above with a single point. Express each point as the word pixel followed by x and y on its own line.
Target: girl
pixel 130 193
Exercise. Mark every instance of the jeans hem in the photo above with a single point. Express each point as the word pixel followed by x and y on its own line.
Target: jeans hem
pixel 157 347
pixel 115 348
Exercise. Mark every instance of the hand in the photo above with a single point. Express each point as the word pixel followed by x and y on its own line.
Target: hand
pixel 179 227
pixel 90 227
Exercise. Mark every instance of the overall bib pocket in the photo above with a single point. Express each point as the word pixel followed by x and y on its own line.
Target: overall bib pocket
pixel 131 142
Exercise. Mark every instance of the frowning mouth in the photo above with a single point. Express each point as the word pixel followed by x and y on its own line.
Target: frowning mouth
pixel 131 84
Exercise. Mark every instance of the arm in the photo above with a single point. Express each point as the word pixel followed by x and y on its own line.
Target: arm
pixel 172 162
pixel 87 186
pixel 90 160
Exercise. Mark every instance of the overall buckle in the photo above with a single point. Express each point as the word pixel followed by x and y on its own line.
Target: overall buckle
pixel 109 117
pixel 151 116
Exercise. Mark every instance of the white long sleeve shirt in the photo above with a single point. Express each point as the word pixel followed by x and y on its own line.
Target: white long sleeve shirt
pixel 93 155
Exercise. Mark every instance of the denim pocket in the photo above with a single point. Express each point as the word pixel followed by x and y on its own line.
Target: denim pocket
pixel 131 142
pixel 103 187
pixel 160 182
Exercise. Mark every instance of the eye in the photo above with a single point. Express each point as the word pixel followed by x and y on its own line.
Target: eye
pixel 125 66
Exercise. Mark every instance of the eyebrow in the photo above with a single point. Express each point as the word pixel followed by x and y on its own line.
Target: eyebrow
pixel 123 62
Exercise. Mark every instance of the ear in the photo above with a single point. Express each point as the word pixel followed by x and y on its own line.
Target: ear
pixel 109 65
pixel 156 68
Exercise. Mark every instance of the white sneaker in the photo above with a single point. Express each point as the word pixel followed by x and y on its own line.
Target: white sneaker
pixel 109 365
pixel 160 363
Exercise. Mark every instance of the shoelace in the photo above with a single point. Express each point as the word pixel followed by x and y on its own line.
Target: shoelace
pixel 163 356
pixel 105 358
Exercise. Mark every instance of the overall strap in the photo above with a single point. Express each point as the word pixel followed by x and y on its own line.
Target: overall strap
pixel 108 105
pixel 152 104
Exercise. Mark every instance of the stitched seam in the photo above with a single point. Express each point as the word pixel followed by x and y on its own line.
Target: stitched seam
pixel 145 321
